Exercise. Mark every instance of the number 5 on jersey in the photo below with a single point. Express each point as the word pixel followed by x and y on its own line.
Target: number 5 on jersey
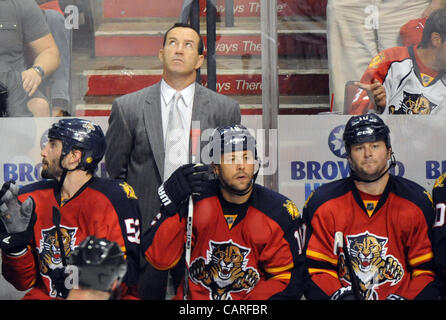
pixel 132 230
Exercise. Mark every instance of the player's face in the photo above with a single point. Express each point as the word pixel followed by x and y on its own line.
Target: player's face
pixel 237 169
pixel 180 52
pixel 51 154
pixel 369 159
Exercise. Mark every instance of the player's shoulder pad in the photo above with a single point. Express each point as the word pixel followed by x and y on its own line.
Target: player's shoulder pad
pixel 411 191
pixel 275 205
pixel 39 185
pixel 327 192
pixel 113 188
pixel 120 194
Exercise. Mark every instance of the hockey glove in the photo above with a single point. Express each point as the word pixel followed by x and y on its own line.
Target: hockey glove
pixel 186 180
pixel 18 219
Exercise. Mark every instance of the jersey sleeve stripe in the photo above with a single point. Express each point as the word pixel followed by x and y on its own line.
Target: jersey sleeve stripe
pixel 426 257
pixel 321 256
pixel 312 271
pixel 279 269
pixel 417 273
pixel 286 276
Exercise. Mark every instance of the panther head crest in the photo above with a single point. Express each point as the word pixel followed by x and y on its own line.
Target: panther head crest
pixel 50 255
pixel 225 270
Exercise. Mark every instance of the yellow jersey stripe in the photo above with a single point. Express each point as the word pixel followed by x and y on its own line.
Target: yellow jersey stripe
pixel 279 269
pixel 331 273
pixel 425 257
pixel 286 275
pixel 321 256
pixel 416 273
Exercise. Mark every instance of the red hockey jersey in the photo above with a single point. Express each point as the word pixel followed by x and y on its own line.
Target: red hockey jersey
pixel 103 208
pixel 254 255
pixel 411 87
pixel 390 249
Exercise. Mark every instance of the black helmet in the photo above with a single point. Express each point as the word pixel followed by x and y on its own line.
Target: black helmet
pixel 365 128
pixel 100 262
pixel 82 135
pixel 230 139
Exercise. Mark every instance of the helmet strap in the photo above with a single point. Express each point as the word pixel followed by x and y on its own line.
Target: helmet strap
pixel 392 164
pixel 65 171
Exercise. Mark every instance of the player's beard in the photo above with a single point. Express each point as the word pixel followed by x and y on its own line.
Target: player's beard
pixel 236 188
pixel 51 169
pixel 366 175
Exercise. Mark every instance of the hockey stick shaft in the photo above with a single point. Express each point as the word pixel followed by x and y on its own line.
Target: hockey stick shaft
pixel 195 139
pixel 190 216
pixel 340 243
pixel 351 272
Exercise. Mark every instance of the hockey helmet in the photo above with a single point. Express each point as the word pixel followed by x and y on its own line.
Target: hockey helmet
pixel 365 128
pixel 230 139
pixel 81 135
pixel 100 263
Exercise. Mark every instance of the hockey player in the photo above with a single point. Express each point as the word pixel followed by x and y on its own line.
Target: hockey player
pixel 50 218
pixel 244 242
pixel 369 234
pixel 99 265
pixel 407 80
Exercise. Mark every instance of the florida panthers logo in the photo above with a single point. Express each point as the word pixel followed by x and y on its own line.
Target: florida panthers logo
pixel 413 103
pixel 371 264
pixel 224 270
pixel 50 257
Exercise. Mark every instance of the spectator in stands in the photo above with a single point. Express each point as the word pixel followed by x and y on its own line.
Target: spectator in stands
pixel 357 30
pixel 23 25
pixel 56 86
pixel 408 80
pixel 139 125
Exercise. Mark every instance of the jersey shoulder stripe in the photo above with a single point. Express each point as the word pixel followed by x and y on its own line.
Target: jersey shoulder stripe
pixel 327 192
pixel 120 194
pixel 411 191
pixel 39 185
pixel 274 205
pixel 414 193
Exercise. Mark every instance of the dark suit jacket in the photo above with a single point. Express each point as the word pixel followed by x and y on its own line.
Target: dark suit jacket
pixel 135 146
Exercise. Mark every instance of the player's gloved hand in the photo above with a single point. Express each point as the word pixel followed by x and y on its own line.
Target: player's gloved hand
pixel 18 219
pixel 393 296
pixel 186 180
pixel 344 293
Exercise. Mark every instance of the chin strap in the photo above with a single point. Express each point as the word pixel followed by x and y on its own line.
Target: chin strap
pixel 392 164
pixel 64 173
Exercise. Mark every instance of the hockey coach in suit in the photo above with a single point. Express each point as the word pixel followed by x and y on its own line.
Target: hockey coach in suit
pixel 138 123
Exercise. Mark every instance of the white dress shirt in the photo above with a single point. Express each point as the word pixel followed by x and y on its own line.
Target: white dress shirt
pixel 185 104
